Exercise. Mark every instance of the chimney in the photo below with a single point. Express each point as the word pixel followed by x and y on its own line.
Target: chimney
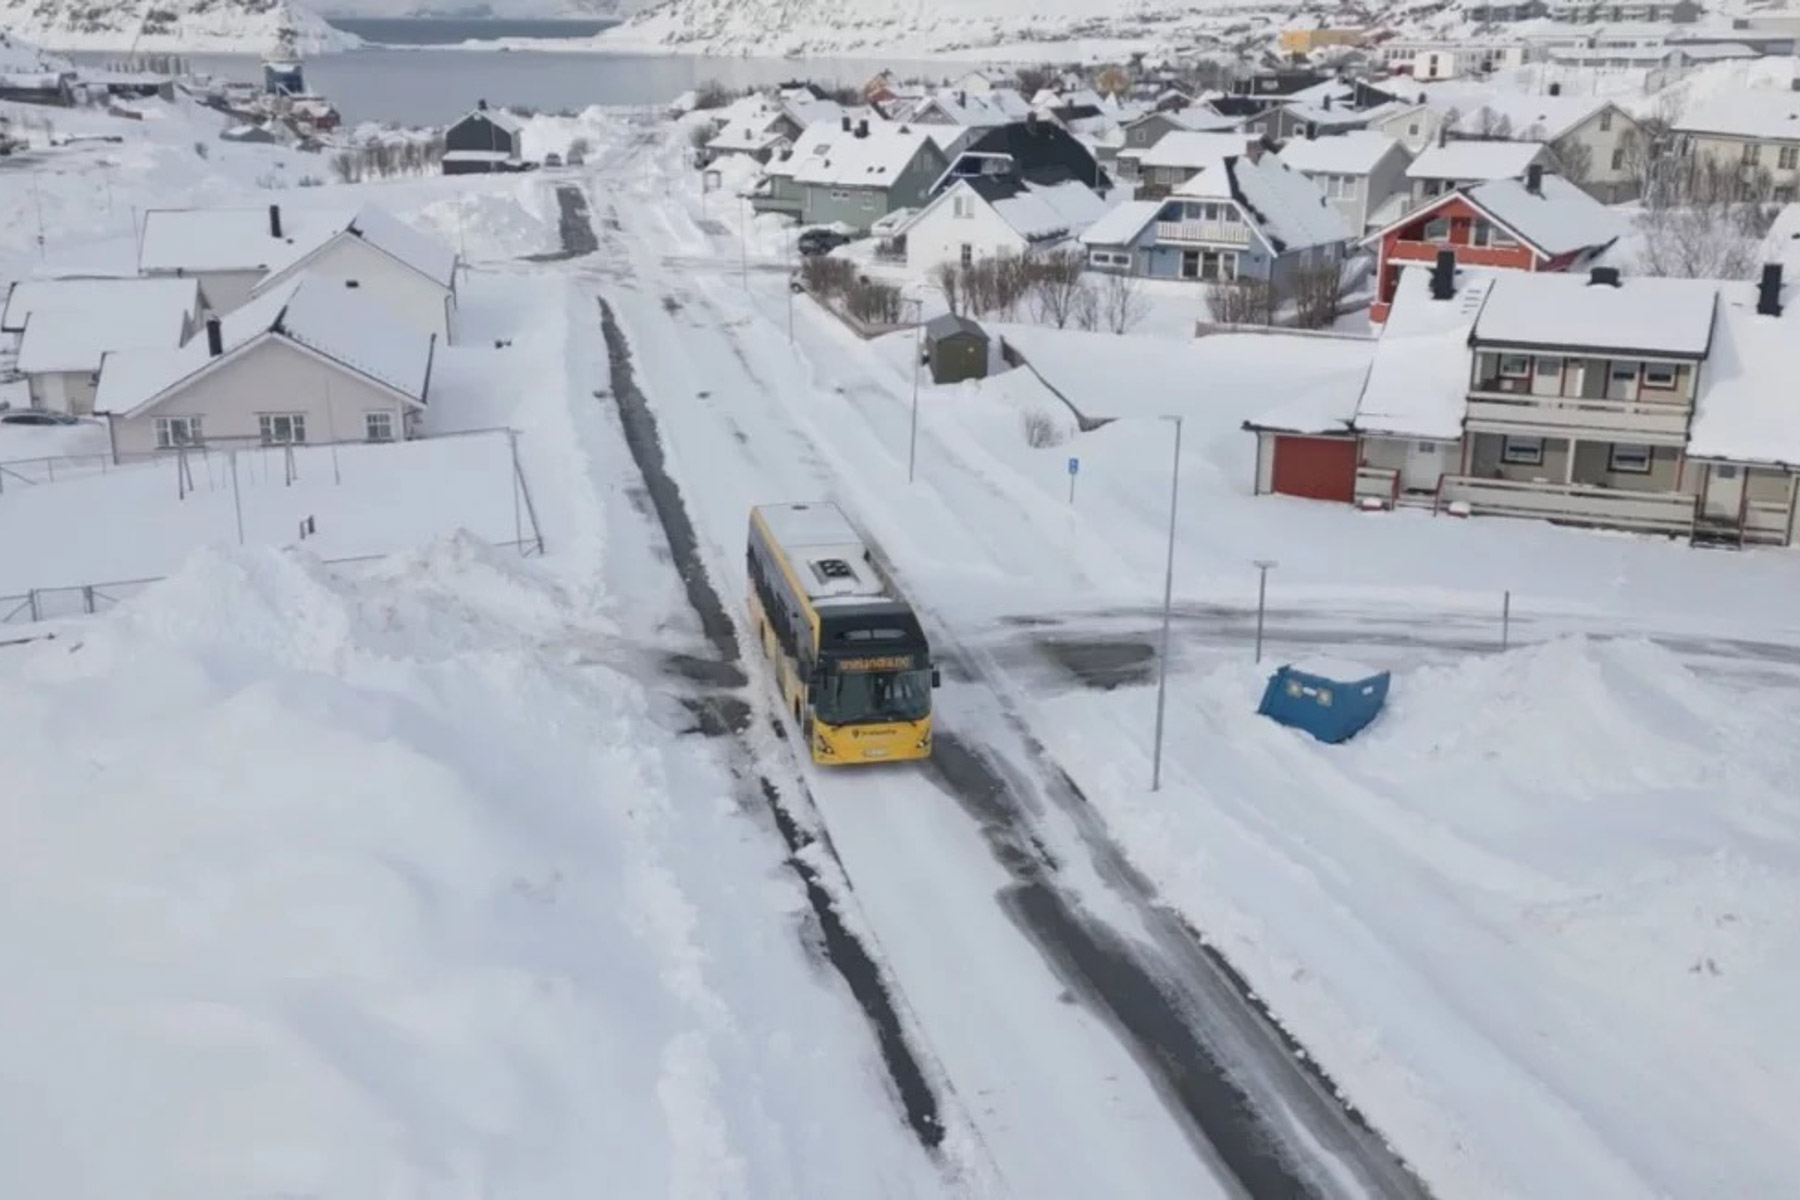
pixel 1768 292
pixel 215 338
pixel 1443 135
pixel 1603 277
pixel 1556 89
pixel 274 220
pixel 1327 104
pixel 1534 179
pixel 862 128
pixel 481 106
pixel 1443 275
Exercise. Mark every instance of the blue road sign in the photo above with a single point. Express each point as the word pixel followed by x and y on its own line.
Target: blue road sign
pixel 1074 465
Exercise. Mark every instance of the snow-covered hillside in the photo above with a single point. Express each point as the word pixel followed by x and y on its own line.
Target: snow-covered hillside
pixel 497 10
pixel 192 26
pixel 926 27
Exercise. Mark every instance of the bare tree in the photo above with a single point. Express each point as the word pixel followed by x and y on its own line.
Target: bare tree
pixel 1087 309
pixel 1318 295
pixel 1242 301
pixel 1032 80
pixel 1575 161
pixel 1122 303
pixel 1056 287
pixel 949 281
pixel 1708 221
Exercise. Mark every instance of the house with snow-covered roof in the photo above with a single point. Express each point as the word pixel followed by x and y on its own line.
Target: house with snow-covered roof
pixel 1753 132
pixel 1181 155
pixel 1449 165
pixel 67 326
pixel 965 108
pixel 1539 223
pixel 1357 171
pixel 1241 218
pixel 855 176
pixel 410 273
pixel 308 361
pixel 984 217
pixel 229 250
pixel 486 140
pixel 1593 142
pixel 1032 151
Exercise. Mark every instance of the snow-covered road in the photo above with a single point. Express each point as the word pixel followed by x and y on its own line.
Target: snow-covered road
pixel 1081 1035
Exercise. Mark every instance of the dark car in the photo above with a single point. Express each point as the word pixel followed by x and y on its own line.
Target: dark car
pixel 35 417
pixel 815 242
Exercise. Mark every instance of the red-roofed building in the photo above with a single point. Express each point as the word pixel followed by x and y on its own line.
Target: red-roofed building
pixel 1539 223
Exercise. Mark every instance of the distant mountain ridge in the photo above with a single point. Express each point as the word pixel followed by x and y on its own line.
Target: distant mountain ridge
pixel 480 10
pixel 173 26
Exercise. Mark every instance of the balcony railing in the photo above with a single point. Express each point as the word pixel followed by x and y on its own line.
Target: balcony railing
pixel 1378 485
pixel 1214 232
pixel 1581 504
pixel 1498 411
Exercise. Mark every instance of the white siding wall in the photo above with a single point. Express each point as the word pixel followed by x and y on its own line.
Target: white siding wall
pixel 939 235
pixel 62 391
pixel 1415 129
pixel 1388 178
pixel 272 377
pixel 402 290
pixel 1599 147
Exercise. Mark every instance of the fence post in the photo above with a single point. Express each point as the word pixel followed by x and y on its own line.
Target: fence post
pixel 1506 620
pixel 87 598
pixel 51 464
pixel 36 611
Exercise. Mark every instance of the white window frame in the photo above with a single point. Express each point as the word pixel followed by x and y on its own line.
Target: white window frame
pixel 1522 451
pixel 1606 120
pixel 1618 159
pixel 165 432
pixel 1752 153
pixel 1514 366
pixel 1651 369
pixel 1444 236
pixel 1547 367
pixel 378 416
pixel 1636 460
pixel 962 206
pixel 1788 158
pixel 265 428
pixel 966 255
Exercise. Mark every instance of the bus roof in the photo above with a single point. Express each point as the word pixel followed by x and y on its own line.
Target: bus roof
pixel 826 552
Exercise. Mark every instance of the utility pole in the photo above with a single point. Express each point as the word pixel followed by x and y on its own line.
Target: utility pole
pixel 1162 673
pixel 1262 596
pixel 912 450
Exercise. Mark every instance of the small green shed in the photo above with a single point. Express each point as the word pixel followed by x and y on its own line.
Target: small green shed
pixel 956 348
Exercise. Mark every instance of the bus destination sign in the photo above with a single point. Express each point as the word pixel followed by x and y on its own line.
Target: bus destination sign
pixel 878 662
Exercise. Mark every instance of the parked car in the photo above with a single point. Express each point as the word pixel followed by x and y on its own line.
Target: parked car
pixel 553 159
pixel 819 241
pixel 32 416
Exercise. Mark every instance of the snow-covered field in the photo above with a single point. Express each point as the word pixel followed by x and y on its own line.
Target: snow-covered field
pixel 175 26
pixel 409 881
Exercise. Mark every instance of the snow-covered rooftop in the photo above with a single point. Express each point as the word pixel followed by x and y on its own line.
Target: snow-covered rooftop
pixel 386 233
pixel 1122 223
pixel 1287 209
pixel 1747 409
pixel 1419 378
pixel 1639 315
pixel 344 326
pixel 1559 218
pixel 1354 153
pixel 1058 210
pixel 233 239
pixel 107 298
pixel 1765 115
pixel 1468 162
pixel 73 330
pixel 845 160
pixel 1192 151
pixel 1527 116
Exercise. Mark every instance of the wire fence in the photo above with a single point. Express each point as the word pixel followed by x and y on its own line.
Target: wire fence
pixel 88 599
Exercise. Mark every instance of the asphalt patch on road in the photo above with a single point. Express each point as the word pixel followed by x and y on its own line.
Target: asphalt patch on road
pixel 1102 663
pixel 719 713
pixel 574 227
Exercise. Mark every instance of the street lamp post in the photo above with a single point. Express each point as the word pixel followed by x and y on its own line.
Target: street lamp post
pixel 1162 671
pixel 1262 595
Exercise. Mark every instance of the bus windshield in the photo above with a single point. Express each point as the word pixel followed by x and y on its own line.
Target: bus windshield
pixel 863 697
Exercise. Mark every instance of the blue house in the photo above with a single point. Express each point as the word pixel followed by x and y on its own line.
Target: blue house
pixel 1333 701
pixel 1242 217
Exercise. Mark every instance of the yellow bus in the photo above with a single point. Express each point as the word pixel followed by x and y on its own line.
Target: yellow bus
pixel 850 658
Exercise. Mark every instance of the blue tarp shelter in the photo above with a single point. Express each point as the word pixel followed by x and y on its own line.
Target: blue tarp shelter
pixel 1330 699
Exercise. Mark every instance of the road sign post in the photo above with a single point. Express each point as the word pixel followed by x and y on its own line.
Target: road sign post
pixel 1074 470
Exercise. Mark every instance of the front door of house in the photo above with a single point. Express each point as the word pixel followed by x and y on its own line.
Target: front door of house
pixel 1724 492
pixel 1424 463
pixel 1190 264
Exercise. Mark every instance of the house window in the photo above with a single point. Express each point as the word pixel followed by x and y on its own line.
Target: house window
pixel 1480 233
pixel 1789 158
pixel 378 426
pixel 1437 229
pixel 1549 368
pixel 1659 375
pixel 1629 460
pixel 1618 159
pixel 1515 366
pixel 172 432
pixel 1606 121
pixel 967 256
pixel 963 206
pixel 1412 130
pixel 1752 153
pixel 1522 451
pixel 280 429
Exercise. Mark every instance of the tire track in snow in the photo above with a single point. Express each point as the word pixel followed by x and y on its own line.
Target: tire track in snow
pixel 843 948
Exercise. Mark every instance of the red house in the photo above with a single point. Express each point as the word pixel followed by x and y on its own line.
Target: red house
pixel 1539 223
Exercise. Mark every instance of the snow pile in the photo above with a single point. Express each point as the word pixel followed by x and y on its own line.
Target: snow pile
pixel 1572 868
pixel 331 888
pixel 488 225
pixel 180 26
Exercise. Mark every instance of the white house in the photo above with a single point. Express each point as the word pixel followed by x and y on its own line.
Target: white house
pixel 988 216
pixel 1751 132
pixel 1445 167
pixel 1414 126
pixel 309 361
pixel 410 273
pixel 66 326
pixel 229 250
pixel 1593 140
pixel 1357 171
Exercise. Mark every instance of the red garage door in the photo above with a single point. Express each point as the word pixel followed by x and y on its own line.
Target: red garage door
pixel 1315 467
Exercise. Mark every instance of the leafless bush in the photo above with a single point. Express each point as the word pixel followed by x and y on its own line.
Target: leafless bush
pixel 1242 302
pixel 379 159
pixel 202 149
pixel 993 285
pixel 1318 295
pixel 1032 80
pixel 1040 431
pixel 948 278
pixel 827 277
pixel 1056 287
pixel 579 149
pixel 712 94
pixel 1122 303
pixel 873 302
pixel 1087 309
pixel 698 136
pixel 1703 219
